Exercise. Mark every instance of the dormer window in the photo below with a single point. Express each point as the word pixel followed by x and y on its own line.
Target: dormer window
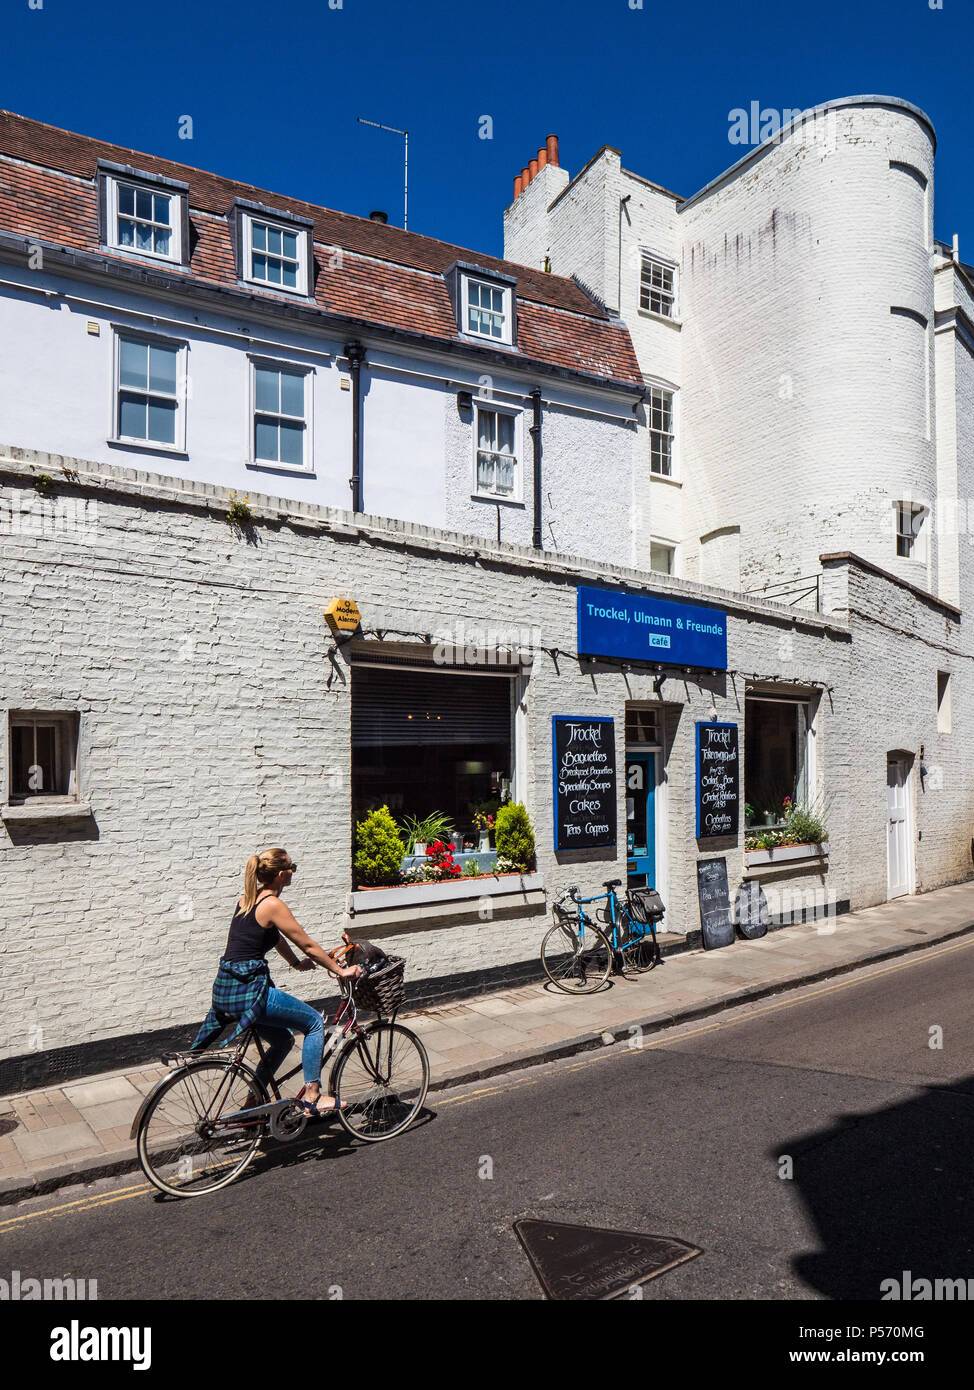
pixel 487 311
pixel 484 303
pixel 143 214
pixel 273 249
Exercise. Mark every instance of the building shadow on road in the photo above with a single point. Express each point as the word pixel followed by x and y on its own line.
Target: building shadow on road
pixel 889 1191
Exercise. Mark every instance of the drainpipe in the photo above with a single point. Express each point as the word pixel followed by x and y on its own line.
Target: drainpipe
pixel 535 432
pixel 355 353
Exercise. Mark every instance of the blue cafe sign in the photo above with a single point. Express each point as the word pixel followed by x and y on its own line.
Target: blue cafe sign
pixel 638 628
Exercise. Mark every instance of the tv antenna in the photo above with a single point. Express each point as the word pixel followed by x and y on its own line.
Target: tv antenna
pixel 405 174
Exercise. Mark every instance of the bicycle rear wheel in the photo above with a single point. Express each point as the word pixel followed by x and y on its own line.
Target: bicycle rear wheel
pixel 381 1078
pixel 577 959
pixel 640 953
pixel 182 1148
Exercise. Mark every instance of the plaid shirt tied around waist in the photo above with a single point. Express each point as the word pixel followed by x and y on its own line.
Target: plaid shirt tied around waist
pixel 239 991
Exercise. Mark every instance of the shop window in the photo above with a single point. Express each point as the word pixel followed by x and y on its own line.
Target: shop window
pixel 43 756
pixel 776 734
pixel 425 741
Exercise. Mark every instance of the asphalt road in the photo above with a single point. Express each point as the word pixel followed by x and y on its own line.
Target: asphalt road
pixel 812 1145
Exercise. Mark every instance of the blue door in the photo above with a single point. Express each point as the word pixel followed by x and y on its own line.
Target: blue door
pixel 641 819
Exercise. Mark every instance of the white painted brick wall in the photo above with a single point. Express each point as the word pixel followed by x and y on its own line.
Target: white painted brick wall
pixel 214 724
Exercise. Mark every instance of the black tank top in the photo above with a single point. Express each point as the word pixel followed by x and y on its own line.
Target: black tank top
pixel 248 940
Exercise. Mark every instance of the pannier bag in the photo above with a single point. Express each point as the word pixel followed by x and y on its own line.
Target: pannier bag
pixel 645 905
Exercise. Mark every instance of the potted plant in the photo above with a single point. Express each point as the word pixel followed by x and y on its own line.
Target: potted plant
pixel 484 821
pixel 420 832
pixel 378 861
pixel 514 838
pixel 440 865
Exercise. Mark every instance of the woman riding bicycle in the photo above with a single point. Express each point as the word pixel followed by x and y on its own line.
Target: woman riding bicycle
pixel 243 988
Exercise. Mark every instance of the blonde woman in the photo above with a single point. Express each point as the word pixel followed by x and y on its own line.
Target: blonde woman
pixel 243 988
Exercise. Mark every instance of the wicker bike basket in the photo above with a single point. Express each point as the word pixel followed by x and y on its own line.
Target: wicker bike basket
pixel 383 992
pixel 645 905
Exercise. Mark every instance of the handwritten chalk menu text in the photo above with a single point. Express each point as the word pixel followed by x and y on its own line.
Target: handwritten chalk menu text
pixel 584 749
pixel 713 892
pixel 718 780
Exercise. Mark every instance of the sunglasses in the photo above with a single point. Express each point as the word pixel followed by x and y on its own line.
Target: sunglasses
pixel 291 868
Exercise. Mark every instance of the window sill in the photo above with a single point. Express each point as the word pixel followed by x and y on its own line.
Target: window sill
pixel 148 446
pixel 660 318
pixel 47 810
pixel 502 501
pixel 786 854
pixel 283 290
pixel 266 466
pixel 483 340
pixel 417 894
pixel 146 257
pixel 665 478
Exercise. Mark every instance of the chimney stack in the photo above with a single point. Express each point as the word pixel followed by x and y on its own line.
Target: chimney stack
pixel 548 154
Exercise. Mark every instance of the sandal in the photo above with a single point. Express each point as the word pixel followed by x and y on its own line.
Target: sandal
pixel 316 1113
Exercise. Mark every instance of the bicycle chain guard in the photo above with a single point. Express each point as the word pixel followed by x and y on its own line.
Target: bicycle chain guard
pixel 288 1120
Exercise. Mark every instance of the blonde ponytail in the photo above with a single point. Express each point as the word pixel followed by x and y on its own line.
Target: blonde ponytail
pixel 261 868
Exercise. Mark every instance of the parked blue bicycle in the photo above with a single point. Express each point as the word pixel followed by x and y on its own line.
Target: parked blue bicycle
pixel 577 955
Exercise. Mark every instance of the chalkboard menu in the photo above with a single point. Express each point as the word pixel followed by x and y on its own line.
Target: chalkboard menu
pixel 751 911
pixel 584 749
pixel 714 895
pixel 718 779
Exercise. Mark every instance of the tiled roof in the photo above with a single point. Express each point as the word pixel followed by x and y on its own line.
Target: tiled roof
pixel 385 276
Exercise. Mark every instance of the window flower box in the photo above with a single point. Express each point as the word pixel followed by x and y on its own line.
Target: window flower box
pixel 458 889
pixel 784 854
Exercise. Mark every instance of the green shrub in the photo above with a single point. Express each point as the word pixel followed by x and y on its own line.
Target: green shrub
pixel 514 837
pixel 380 849
pixel 804 828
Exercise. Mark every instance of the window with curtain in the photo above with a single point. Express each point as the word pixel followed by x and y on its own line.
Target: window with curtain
pixel 275 255
pixel 496 456
pixel 144 220
pixel 486 310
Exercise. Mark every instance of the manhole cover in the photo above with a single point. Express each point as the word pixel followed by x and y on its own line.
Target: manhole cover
pixel 8 1124
pixel 586 1262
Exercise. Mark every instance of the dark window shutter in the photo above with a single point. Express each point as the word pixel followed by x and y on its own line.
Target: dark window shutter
pixel 419 707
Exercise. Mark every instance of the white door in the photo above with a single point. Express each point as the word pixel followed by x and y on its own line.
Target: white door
pixel 897 827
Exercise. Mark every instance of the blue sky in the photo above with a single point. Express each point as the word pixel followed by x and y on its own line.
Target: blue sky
pixel 274 89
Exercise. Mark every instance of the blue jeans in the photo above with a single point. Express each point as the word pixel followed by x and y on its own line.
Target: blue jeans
pixel 280 1013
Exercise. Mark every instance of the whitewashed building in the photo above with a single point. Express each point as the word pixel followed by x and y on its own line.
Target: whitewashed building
pixel 172 697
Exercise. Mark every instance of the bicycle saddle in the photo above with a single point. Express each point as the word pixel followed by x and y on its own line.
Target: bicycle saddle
pixel 612 883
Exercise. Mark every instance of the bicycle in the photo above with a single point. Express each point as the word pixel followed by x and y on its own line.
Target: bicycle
pixel 577 955
pixel 200 1127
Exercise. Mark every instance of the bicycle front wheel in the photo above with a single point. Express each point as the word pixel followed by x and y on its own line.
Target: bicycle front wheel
pixel 576 959
pixel 184 1149
pixel 381 1078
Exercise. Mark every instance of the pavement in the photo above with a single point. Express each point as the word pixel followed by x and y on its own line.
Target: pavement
pixel 79 1131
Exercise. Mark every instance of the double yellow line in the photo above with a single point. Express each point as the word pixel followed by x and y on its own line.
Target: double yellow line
pixel 740 1014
